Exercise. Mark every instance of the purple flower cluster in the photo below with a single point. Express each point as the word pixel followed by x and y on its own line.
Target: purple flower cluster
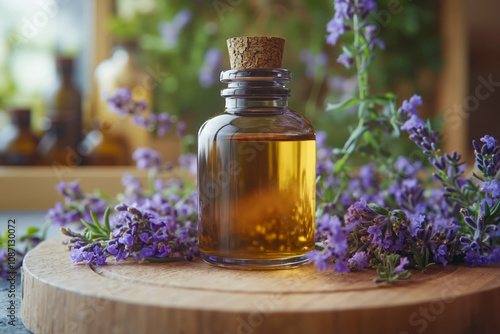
pixel 335 247
pixel 170 30
pixel 487 156
pixel 147 158
pixel 441 238
pixel 344 11
pixel 76 206
pixel 159 228
pixel 122 103
pixel 344 20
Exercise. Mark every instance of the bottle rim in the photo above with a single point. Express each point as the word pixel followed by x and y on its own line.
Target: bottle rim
pixel 256 74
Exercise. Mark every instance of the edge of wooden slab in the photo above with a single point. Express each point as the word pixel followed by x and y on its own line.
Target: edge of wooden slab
pixel 58 297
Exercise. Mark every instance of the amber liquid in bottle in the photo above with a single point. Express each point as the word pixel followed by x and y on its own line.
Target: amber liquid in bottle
pixel 266 210
pixel 256 176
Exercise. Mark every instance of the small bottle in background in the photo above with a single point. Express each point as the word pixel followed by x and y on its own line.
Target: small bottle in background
pixel 18 145
pixel 64 101
pixel 102 148
pixel 54 147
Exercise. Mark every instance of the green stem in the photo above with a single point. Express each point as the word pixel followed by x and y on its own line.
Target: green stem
pixel 362 78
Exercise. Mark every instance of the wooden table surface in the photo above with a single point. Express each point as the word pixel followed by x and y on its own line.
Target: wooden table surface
pixel 194 297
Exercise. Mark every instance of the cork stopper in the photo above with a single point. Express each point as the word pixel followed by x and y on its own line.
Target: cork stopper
pixel 255 52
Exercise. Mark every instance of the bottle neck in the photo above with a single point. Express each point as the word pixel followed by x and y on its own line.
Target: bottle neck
pixel 233 103
pixel 66 77
pixel 256 90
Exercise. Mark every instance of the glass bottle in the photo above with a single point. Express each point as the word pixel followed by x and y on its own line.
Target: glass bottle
pixel 54 147
pixel 17 143
pixel 124 69
pixel 101 148
pixel 65 102
pixel 256 175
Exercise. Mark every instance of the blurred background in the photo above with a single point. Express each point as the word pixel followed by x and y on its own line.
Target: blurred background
pixel 59 59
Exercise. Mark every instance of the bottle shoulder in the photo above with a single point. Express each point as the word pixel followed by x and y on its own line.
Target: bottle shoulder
pixel 283 125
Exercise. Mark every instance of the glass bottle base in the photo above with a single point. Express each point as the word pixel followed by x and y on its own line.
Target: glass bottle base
pixel 255 264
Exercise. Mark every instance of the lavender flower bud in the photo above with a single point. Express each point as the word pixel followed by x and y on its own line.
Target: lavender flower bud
pixel 476 146
pixel 135 212
pixel 121 207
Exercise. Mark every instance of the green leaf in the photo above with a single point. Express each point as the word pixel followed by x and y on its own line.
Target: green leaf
pixel 329 194
pixel 96 222
pixel 32 230
pixel 106 220
pixel 347 50
pixel 343 105
pixel 163 259
pixel 383 99
pixel 350 144
pixel 91 227
pixel 486 209
pixel 378 209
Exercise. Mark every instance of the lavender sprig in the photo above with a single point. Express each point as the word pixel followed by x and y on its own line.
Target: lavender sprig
pixel 391 267
pixel 139 233
pixel 123 104
pixel 449 167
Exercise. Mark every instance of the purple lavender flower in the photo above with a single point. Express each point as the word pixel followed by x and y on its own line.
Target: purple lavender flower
pixel 402 263
pixel 321 259
pixel 181 129
pixel 440 256
pixel 122 103
pixel 479 242
pixel 345 9
pixel 409 106
pixel 189 162
pixel 170 31
pixel 336 245
pixel 360 260
pixel 406 168
pixel 163 123
pixel 368 177
pixel 490 141
pixel 313 62
pixel 413 123
pixel 492 187
pixel 371 39
pixel 487 156
pixel 147 158
pixel 335 27
pixel 209 72
pixel 345 60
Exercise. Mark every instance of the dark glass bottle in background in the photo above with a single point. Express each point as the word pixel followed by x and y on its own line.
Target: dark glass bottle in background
pixel 64 101
pixel 18 145
pixel 256 168
pixel 54 146
pixel 102 148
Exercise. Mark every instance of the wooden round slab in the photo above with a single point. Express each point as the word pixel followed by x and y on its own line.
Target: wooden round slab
pixel 194 297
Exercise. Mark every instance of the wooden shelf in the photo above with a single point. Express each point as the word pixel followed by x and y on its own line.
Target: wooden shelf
pixel 33 188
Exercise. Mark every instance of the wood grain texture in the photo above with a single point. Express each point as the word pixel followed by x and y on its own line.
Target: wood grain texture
pixel 194 297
